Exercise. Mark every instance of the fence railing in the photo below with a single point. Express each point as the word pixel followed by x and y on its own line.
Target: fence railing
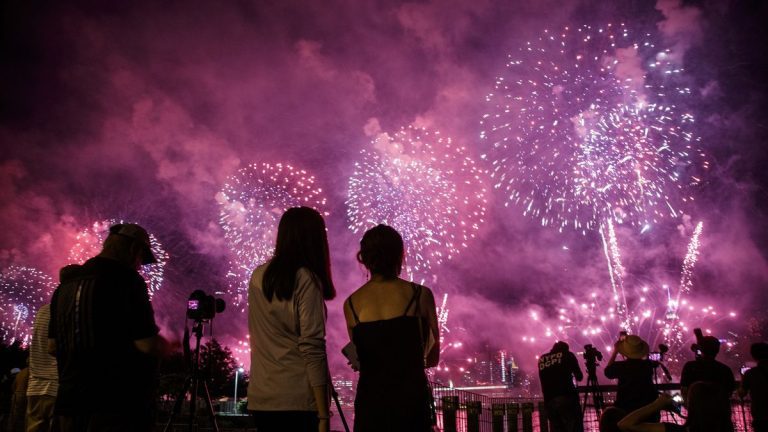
pixel 465 411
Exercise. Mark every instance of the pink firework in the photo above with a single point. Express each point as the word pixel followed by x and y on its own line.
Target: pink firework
pixel 90 240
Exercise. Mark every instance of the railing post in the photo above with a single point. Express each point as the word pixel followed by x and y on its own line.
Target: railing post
pixel 528 417
pixel 512 411
pixel 474 408
pixel 497 412
pixel 450 406
pixel 543 417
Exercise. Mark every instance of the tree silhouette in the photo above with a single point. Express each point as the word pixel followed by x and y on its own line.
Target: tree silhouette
pixel 218 365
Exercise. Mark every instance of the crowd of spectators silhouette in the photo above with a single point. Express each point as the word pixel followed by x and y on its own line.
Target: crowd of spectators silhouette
pixel 100 323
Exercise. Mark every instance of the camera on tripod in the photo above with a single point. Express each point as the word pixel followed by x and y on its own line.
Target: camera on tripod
pixel 592 355
pixel 203 307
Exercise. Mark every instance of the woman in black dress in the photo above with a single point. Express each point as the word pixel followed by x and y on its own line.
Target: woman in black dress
pixel 393 325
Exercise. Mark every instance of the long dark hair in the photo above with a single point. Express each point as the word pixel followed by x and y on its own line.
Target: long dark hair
pixel 381 251
pixel 301 242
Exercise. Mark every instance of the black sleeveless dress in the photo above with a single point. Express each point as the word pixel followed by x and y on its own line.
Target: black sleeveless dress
pixel 391 393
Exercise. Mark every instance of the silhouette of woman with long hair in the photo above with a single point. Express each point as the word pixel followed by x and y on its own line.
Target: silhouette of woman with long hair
pixel 288 388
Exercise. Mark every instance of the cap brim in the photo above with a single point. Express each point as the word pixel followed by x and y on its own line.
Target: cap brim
pixel 149 257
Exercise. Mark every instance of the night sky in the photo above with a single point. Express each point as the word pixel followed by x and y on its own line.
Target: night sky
pixel 141 111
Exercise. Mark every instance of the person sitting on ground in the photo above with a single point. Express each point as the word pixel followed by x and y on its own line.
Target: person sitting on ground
pixel 755 384
pixel 705 413
pixel 557 369
pixel 393 325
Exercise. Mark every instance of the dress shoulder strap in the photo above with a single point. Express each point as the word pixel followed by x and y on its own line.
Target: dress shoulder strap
pixel 416 295
pixel 352 308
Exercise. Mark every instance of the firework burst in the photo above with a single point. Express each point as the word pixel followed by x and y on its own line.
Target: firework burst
pixel 426 187
pixel 89 241
pixel 656 311
pixel 251 204
pixel 22 291
pixel 575 137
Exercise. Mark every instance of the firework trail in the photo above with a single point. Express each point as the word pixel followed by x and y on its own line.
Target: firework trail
pixel 594 320
pixel 674 329
pixel 425 187
pixel 616 272
pixel 22 291
pixel 89 241
pixel 656 312
pixel 689 262
pixel 442 321
pixel 448 343
pixel 582 139
pixel 575 139
pixel 251 204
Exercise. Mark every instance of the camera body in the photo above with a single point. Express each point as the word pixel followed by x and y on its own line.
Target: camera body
pixel 203 307
pixel 592 354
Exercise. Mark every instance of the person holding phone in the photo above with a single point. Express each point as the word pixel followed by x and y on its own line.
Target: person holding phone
pixel 393 325
pixel 755 384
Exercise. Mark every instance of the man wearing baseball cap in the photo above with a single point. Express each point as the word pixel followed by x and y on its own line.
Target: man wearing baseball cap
pixel 105 339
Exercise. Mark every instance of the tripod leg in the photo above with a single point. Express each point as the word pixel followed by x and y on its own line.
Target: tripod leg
pixel 338 408
pixel 210 406
pixel 177 403
pixel 193 400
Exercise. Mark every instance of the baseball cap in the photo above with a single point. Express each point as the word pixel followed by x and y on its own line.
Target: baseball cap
pixel 709 345
pixel 140 235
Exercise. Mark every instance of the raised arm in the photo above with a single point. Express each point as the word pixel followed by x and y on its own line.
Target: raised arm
pixel 633 422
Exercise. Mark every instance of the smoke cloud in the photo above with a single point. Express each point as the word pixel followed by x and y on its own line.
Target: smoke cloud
pixel 142 110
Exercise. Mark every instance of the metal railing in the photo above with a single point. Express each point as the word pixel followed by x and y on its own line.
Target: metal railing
pixel 463 411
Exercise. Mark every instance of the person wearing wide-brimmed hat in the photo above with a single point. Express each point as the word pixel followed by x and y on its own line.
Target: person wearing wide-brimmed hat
pixel 635 373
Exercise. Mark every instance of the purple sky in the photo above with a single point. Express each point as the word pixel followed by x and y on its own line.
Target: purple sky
pixel 142 110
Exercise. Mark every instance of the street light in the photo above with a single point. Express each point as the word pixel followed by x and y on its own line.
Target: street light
pixel 237 373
